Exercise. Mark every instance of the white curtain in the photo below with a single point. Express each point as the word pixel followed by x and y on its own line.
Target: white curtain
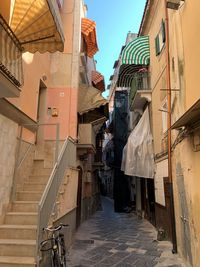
pixel 138 157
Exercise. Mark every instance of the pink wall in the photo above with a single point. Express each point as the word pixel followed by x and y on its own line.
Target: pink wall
pixel 65 101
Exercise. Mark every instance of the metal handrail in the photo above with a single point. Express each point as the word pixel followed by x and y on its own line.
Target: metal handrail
pixel 50 193
pixel 18 163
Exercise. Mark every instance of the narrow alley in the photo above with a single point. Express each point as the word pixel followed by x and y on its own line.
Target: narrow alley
pixel 121 240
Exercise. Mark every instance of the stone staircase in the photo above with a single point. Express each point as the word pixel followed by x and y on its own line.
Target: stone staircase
pixel 18 232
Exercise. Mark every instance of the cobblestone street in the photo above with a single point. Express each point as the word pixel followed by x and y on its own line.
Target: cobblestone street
pixel 121 240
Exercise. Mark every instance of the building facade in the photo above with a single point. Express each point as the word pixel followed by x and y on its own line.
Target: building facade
pixel 49 166
pixel 172 72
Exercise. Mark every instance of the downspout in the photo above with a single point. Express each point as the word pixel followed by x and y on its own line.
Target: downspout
pixel 168 78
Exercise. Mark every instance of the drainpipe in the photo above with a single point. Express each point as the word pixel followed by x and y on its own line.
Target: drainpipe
pixel 172 213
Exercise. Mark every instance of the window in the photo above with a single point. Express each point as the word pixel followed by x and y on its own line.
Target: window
pixel 160 39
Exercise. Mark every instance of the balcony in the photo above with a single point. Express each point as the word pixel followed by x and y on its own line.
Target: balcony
pixel 140 91
pixel 86 140
pixel 11 75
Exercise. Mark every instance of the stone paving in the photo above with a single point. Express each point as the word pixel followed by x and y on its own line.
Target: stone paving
pixel 120 240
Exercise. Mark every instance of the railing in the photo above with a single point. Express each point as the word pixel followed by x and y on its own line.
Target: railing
pixel 10 54
pixel 21 157
pixel 140 82
pixel 67 158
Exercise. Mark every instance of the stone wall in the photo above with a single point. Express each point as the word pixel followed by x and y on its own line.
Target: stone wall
pixel 8 143
pixel 25 163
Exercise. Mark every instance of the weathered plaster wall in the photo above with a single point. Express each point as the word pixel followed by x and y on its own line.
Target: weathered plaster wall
pixel 62 93
pixel 185 50
pixel 187 201
pixel 190 27
pixel 8 143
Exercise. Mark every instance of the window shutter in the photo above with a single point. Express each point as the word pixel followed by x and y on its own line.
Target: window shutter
pixel 157 45
pixel 163 31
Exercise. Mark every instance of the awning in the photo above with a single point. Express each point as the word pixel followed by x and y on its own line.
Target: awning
pixel 98 80
pixel 89 98
pixel 126 74
pixel 37 25
pixel 138 158
pixel 137 52
pixel 97 124
pixel 88 29
pixel 190 118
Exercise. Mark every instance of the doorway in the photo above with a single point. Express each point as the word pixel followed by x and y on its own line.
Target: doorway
pixel 79 197
pixel 41 113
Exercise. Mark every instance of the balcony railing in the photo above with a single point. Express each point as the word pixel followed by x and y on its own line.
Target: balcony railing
pixel 10 54
pixel 140 82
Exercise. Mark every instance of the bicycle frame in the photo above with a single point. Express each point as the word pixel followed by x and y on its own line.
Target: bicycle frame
pixel 57 247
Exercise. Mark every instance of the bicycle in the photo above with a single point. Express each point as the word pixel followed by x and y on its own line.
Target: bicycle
pixel 55 244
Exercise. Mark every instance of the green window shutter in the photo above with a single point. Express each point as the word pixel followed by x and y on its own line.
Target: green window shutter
pixel 157 45
pixel 163 31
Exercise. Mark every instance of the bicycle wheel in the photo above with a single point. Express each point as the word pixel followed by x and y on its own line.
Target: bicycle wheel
pixel 62 250
pixel 56 260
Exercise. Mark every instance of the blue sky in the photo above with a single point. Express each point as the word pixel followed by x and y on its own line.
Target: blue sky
pixel 114 19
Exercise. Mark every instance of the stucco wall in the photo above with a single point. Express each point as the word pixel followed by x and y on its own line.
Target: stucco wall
pixel 186 23
pixel 62 93
pixel 157 70
pixel 8 142
pixel 190 27
pixel 186 170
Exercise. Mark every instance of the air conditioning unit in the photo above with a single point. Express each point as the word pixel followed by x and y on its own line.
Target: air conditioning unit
pixel 173 4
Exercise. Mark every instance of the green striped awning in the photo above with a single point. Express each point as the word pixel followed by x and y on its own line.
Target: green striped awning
pixel 126 74
pixel 137 52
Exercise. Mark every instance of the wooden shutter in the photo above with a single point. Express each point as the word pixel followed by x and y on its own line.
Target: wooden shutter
pixel 163 31
pixel 157 45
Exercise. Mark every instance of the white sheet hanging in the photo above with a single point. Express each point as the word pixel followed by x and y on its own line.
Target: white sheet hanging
pixel 138 157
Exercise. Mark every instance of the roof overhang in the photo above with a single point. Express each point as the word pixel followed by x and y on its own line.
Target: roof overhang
pixel 190 118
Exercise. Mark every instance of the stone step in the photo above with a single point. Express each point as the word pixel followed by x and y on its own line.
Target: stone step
pixel 29 195
pixel 21 218
pixel 34 186
pixel 17 247
pixel 18 231
pixel 6 261
pixel 40 163
pixel 38 179
pixel 41 171
pixel 24 206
